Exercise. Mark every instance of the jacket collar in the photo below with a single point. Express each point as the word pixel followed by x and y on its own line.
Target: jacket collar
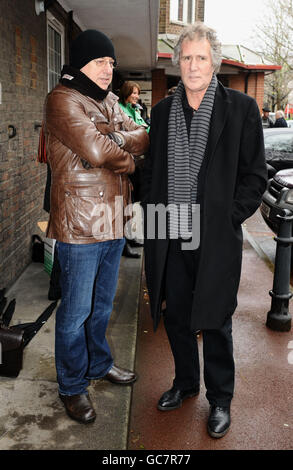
pixel 74 78
pixel 111 99
pixel 218 120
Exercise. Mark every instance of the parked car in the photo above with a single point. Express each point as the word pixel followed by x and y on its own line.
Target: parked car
pixel 278 196
pixel 279 193
pixel 278 148
pixel 290 122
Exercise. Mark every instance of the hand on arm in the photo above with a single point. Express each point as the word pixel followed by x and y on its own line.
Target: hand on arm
pixel 136 139
pixel 67 121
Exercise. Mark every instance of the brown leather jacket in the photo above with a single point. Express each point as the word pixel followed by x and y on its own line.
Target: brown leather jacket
pixel 90 185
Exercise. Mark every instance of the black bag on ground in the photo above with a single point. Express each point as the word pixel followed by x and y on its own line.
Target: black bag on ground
pixel 11 351
pixel 38 249
pixel 14 339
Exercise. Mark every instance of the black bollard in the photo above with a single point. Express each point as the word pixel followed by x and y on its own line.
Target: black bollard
pixel 279 318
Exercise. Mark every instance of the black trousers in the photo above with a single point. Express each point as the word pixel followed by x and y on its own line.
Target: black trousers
pixel 181 271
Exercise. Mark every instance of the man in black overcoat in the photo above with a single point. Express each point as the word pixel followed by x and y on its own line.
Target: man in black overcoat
pixel 206 158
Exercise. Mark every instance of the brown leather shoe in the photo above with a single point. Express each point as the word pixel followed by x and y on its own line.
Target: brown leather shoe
pixel 117 375
pixel 79 407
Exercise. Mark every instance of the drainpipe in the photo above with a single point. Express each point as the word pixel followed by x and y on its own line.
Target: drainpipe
pixel 246 81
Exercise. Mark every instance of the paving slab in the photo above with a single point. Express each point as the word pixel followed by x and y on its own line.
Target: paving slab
pixel 31 415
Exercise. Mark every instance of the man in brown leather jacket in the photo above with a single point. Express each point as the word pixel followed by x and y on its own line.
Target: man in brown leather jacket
pixel 91 147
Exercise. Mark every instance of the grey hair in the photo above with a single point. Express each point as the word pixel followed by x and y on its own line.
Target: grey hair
pixel 199 31
pixel 280 113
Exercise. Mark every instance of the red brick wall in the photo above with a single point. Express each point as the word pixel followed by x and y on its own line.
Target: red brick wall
pixel 255 85
pixel 256 88
pixel 200 4
pixel 165 26
pixel 237 82
pixel 163 16
pixel 23 77
pixel 159 85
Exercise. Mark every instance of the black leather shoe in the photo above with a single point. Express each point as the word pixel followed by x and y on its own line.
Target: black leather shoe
pixel 120 376
pixel 172 399
pixel 79 408
pixel 129 252
pixel 219 421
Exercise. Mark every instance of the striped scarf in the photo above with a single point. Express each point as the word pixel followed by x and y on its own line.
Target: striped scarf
pixel 185 157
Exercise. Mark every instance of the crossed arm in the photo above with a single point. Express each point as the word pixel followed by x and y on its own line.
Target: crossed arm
pixel 67 120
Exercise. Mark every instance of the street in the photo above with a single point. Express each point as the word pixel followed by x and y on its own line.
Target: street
pixel 261 412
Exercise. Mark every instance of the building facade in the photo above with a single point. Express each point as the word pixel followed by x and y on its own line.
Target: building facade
pixel 174 16
pixel 32 49
pixel 34 44
pixel 242 69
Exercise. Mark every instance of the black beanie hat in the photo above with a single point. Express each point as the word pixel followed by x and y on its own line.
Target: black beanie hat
pixel 90 44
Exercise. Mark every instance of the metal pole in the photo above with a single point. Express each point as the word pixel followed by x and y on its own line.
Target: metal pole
pixel 279 318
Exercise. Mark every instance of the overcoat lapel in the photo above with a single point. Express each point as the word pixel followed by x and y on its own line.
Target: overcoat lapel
pixel 217 271
pixel 218 120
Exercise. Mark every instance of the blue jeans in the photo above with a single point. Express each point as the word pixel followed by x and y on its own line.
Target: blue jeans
pixel 89 275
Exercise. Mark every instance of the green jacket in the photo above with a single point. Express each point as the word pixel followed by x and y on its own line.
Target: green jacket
pixel 134 114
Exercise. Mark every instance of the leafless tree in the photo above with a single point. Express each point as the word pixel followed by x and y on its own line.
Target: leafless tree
pixel 275 38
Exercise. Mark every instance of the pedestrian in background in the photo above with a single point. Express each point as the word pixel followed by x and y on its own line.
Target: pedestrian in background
pixel 280 119
pixel 266 120
pixel 91 148
pixel 128 101
pixel 206 148
pixel 171 91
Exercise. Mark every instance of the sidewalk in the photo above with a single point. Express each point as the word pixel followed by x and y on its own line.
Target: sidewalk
pixel 262 413
pixel 32 416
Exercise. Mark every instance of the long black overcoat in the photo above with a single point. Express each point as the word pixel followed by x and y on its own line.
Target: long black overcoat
pixel 232 187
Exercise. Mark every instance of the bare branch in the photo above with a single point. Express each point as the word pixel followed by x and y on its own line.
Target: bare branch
pixel 274 36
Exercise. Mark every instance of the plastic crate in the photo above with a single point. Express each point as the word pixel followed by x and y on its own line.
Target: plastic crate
pixel 49 246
